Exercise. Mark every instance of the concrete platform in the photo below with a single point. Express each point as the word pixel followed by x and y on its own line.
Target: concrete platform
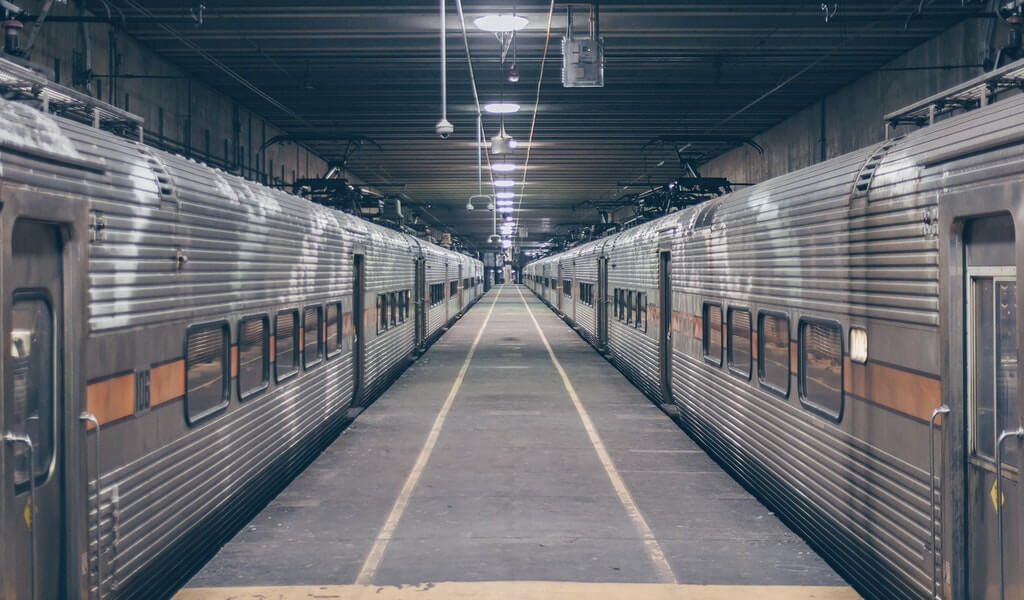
pixel 512 461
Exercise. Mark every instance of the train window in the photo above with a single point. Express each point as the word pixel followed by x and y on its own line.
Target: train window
pixel 739 342
pixel 587 293
pixel 312 336
pixel 382 312
pixel 641 310
pixel 567 287
pixel 453 289
pixel 286 344
pixel 206 370
pixel 32 358
pixel 629 307
pixel 821 367
pixel 393 297
pixel 713 334
pixel 436 293
pixel 773 357
pixel 253 356
pixel 334 334
pixel 615 303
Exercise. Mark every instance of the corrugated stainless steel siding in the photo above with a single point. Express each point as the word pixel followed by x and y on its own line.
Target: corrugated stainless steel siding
pixel 802 244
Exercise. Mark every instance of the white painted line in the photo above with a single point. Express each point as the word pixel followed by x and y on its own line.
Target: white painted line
pixel 380 545
pixel 654 551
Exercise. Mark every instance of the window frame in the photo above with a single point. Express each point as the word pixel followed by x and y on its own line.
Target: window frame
pixel 190 419
pixel 765 384
pixel 382 313
pixel 801 373
pixel 328 354
pixel 704 331
pixel 244 395
pixel 750 343
pixel 278 376
pixel 641 311
pixel 29 294
pixel 321 341
pixel 393 316
pixel 629 302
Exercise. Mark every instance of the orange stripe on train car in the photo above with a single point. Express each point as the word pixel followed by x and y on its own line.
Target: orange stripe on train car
pixel 907 392
pixel 166 382
pixel 112 398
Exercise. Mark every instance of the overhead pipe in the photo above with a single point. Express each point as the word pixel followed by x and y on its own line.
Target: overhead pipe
pixel 444 128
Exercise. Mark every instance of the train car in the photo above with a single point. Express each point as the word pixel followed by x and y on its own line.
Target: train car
pixel 182 342
pixel 844 340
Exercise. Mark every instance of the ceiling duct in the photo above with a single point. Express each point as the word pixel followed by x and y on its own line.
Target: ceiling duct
pixel 583 57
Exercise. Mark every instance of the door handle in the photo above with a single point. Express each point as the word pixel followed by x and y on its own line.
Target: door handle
pixel 88 417
pixel 1019 434
pixel 17 438
pixel 942 410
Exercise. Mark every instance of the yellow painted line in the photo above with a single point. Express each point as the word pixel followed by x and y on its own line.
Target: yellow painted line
pixel 380 545
pixel 523 590
pixel 654 551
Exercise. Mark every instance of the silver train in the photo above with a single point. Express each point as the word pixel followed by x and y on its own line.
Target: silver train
pixel 807 332
pixel 181 342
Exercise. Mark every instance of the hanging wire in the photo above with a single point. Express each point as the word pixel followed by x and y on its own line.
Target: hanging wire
pixel 533 121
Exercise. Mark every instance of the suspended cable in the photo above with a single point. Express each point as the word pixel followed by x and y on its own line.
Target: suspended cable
pixel 533 120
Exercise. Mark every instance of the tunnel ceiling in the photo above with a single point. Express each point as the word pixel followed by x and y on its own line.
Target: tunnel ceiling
pixel 332 68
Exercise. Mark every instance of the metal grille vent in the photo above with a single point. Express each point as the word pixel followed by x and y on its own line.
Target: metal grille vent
pixel 867 172
pixel 141 390
pixel 165 183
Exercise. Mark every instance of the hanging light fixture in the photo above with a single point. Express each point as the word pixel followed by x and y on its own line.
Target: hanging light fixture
pixel 503 167
pixel 505 195
pixel 501 23
pixel 502 108
pixel 503 183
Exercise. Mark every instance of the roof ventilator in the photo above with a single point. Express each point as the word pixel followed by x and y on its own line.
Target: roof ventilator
pixel 862 184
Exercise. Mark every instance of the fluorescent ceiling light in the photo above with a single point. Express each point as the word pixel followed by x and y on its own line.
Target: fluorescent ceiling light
pixel 504 209
pixel 501 23
pixel 505 195
pixel 504 183
pixel 503 167
pixel 501 108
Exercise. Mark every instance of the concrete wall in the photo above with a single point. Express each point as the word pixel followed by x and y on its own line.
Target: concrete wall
pixel 181 113
pixel 853 114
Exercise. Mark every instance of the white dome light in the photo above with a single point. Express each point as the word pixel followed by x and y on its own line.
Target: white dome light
pixel 505 195
pixel 503 167
pixel 501 108
pixel 504 183
pixel 501 23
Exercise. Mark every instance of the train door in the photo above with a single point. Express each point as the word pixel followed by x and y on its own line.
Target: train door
pixel 359 324
pixel 34 414
pixel 665 324
pixel 602 302
pixel 558 287
pixel 446 295
pixel 462 288
pixel 993 549
pixel 421 302
pixel 574 294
